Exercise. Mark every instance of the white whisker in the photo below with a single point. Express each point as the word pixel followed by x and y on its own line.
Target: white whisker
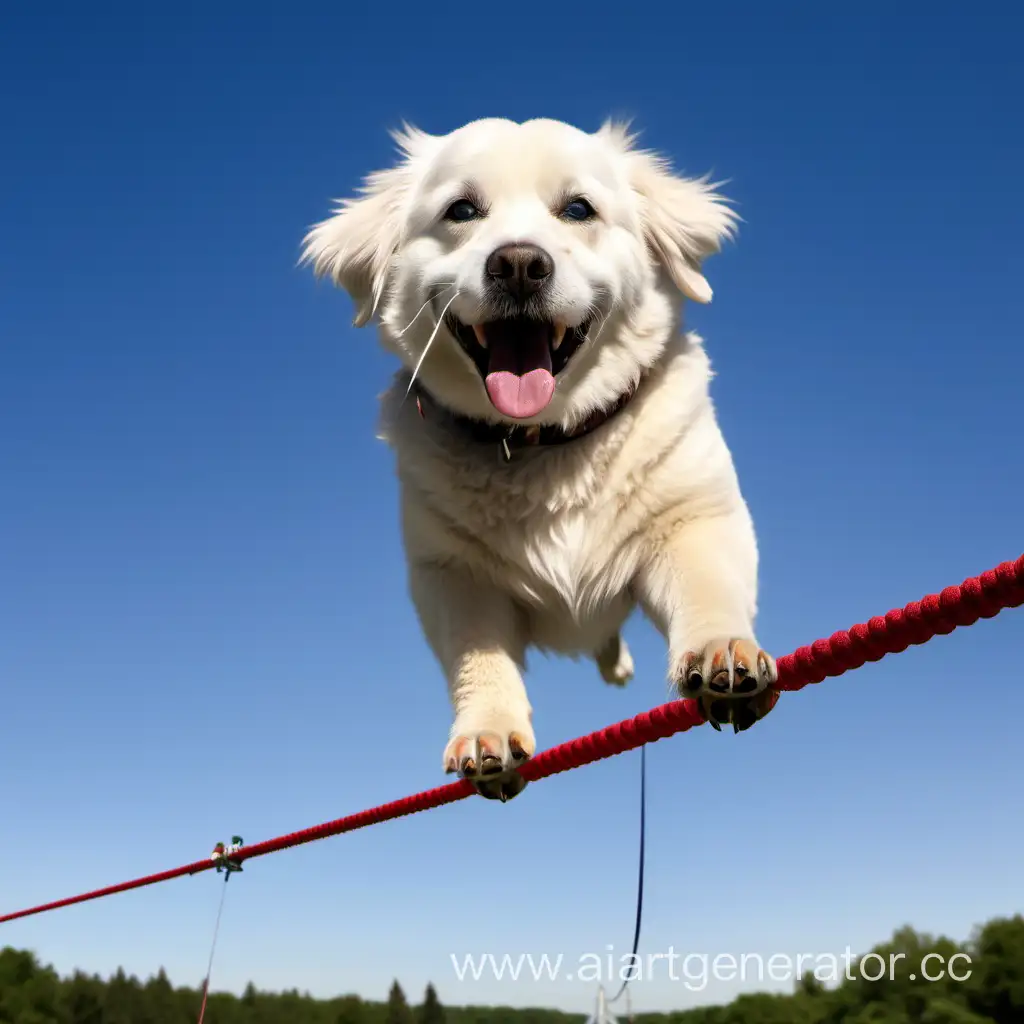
pixel 601 327
pixel 423 307
pixel 430 341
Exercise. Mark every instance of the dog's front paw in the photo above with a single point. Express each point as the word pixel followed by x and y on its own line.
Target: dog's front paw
pixel 489 753
pixel 731 680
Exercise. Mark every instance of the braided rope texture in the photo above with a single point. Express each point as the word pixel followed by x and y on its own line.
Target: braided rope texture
pixel 981 597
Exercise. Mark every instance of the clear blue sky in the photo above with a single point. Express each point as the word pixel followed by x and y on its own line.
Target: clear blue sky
pixel 204 625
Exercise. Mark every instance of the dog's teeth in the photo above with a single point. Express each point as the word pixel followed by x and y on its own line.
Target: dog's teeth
pixel 558 337
pixel 480 336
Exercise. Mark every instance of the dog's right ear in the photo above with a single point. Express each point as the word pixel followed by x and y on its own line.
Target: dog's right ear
pixel 354 247
pixel 684 220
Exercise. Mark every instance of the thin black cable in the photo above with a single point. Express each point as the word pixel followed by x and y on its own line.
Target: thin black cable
pixel 640 874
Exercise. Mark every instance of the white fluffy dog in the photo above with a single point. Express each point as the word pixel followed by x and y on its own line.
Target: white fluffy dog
pixel 559 456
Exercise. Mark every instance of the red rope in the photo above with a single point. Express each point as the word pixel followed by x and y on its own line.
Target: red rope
pixel 980 597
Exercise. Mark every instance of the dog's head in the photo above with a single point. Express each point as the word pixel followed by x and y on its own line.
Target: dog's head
pixel 524 272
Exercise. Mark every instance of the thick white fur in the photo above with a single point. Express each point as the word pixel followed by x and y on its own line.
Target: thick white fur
pixel 555 549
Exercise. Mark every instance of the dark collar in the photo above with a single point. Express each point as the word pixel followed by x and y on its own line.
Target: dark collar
pixel 510 437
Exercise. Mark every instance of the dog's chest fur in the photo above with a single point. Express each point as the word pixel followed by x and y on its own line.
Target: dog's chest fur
pixel 551 526
pixel 554 534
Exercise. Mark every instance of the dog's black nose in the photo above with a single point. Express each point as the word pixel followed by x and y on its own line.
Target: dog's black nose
pixel 521 270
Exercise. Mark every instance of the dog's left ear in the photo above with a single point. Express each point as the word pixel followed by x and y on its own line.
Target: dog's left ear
pixel 355 246
pixel 684 220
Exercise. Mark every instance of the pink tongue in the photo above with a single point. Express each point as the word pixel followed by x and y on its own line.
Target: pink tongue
pixel 519 379
pixel 520 397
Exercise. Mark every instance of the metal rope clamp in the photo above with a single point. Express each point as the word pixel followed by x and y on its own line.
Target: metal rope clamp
pixel 224 857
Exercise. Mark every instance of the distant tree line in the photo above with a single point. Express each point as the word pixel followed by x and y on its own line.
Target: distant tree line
pixel 31 993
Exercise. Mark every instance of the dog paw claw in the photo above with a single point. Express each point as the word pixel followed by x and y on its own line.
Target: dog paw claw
pixel 489 759
pixel 731 680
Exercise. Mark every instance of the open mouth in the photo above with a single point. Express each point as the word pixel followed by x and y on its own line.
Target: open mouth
pixel 519 358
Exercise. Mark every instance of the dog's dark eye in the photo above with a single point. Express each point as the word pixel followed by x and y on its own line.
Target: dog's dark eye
pixel 578 209
pixel 461 210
